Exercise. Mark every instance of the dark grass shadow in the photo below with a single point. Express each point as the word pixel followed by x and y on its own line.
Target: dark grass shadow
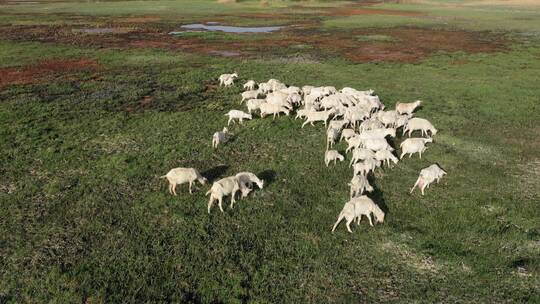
pixel 377 195
pixel 215 172
pixel 268 176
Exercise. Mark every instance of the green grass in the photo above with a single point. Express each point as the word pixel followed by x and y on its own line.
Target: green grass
pixel 85 217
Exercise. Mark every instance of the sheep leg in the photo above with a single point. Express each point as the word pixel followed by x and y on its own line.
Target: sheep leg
pixel 305 123
pixel 348 224
pixel 415 184
pixel 241 121
pixel 369 218
pixel 358 219
pixel 190 183
pixel 170 188
pixel 229 122
pixel 340 218
pixel 420 153
pixel 174 189
pixel 220 203
pixel 422 188
pixel 210 203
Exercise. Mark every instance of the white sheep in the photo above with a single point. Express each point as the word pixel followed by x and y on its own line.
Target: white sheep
pixel 227 78
pixel 254 104
pixel 338 124
pixel 223 187
pixel 318 116
pixel 355 208
pixel 250 85
pixel 376 144
pixel 272 109
pixel 332 136
pixel 302 113
pixel 407 108
pixel 307 89
pixel 378 133
pixel 279 98
pixel 236 114
pixel 246 180
pixel 347 133
pixel 264 88
pixel 332 155
pixel 370 124
pixel 402 120
pixel 219 137
pixel 294 99
pixel 419 124
pixel 361 154
pixel 427 176
pixel 388 118
pixel 228 82
pixel 414 145
pixel 359 184
pixel 249 95
pixel 386 156
pixel 366 166
pixel 178 176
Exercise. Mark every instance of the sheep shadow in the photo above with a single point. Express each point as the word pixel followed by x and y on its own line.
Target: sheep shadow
pixel 215 172
pixel 268 176
pixel 377 195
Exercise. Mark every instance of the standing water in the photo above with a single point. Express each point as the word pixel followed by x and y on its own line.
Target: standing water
pixel 229 29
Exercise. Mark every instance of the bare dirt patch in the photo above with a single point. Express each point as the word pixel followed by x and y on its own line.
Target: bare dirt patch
pixel 364 11
pixel 36 72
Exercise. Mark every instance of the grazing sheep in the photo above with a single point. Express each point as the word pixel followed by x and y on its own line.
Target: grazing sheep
pixel 274 109
pixel 353 142
pixel 407 108
pixel 419 124
pixel 249 95
pixel 386 156
pixel 264 88
pixel 228 82
pixel 318 116
pixel 307 89
pixel 279 98
pixel 368 165
pixel 355 208
pixel 427 176
pixel 250 85
pixel 254 104
pixel 223 187
pixel 347 133
pixel 414 145
pixel 363 205
pixel 227 78
pixel 338 124
pixel 402 120
pixel 219 137
pixel 332 155
pixel 246 180
pixel 361 154
pixel 359 184
pixel 236 114
pixel 178 176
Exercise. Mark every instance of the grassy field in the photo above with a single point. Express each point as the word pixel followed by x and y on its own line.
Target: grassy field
pixel 88 123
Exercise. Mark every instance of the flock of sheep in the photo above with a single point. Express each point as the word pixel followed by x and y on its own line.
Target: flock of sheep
pixel 358 117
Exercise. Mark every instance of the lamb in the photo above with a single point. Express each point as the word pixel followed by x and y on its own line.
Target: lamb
pixel 246 180
pixel 274 109
pixel 250 85
pixel 361 154
pixel 427 176
pixel 385 156
pixel 178 176
pixel 227 78
pixel 366 166
pixel 407 108
pixel 219 137
pixel 355 208
pixel 249 95
pixel 347 133
pixel 223 187
pixel 419 124
pixel 236 114
pixel 332 155
pixel 331 137
pixel 359 184
pixel 414 145
pixel 254 104
pixel 318 116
